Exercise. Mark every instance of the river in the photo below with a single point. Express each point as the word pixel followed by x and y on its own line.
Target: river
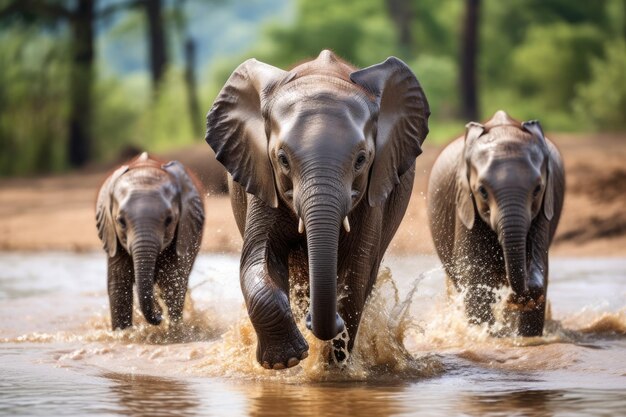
pixel 415 352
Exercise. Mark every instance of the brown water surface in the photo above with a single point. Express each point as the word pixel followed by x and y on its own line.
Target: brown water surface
pixel 415 353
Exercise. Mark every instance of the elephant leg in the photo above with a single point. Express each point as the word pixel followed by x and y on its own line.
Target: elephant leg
pixel 279 342
pixel 352 305
pixel 265 286
pixel 120 289
pixel 476 271
pixel 532 316
pixel 361 275
pixel 479 300
pixel 532 319
pixel 364 250
pixel 172 278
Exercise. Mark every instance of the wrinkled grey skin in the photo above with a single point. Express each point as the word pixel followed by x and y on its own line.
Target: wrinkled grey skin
pixel 494 202
pixel 149 217
pixel 330 145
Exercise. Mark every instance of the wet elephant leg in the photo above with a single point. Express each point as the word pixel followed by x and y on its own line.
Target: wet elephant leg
pixel 364 248
pixel 477 270
pixel 532 317
pixel 172 279
pixel 351 307
pixel 120 279
pixel 265 285
pixel 479 300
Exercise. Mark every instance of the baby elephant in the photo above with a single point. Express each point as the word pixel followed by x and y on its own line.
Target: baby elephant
pixel 149 217
pixel 494 202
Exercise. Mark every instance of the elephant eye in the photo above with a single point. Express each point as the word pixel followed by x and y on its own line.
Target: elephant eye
pixel 121 221
pixel 168 220
pixel 282 158
pixel 537 190
pixel 360 160
pixel 483 192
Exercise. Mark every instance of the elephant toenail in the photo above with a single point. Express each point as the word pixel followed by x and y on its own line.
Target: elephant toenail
pixel 266 365
pixel 292 362
pixel 304 355
pixel 278 366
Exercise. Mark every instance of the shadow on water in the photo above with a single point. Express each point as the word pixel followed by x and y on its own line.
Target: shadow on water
pixel 542 403
pixel 150 396
pixel 265 400
pixel 142 396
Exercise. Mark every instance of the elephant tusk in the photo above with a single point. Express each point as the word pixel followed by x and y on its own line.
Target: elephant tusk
pixel 300 226
pixel 346 224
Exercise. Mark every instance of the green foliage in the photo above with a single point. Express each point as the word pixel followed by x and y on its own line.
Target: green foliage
pixel 560 61
pixel 33 88
pixel 128 115
pixel 166 122
pixel 118 106
pixel 602 101
pixel 436 27
pixel 358 31
pixel 438 76
pixel 553 59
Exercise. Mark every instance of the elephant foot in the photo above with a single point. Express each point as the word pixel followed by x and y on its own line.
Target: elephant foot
pixel 531 321
pixel 121 321
pixel 121 325
pixel 531 313
pixel 281 354
pixel 339 351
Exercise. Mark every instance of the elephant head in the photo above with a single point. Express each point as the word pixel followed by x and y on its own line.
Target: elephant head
pixel 319 140
pixel 505 182
pixel 143 208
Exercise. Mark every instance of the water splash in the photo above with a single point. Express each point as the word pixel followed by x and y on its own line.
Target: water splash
pixel 195 327
pixel 418 335
pixel 379 353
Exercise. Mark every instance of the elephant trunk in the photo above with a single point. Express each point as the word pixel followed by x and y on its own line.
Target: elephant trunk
pixel 513 230
pixel 323 207
pixel 145 249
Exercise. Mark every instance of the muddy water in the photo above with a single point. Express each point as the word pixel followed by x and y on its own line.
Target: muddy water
pixel 415 353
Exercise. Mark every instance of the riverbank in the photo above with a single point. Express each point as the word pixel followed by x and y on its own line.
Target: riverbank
pixel 57 213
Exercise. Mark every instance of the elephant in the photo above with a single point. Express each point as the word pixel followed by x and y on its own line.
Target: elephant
pixel 149 217
pixel 321 161
pixel 494 201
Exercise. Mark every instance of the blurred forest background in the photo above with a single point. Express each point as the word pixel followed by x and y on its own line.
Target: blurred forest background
pixel 84 81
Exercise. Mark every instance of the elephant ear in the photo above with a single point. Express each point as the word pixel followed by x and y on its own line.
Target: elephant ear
pixel 464 198
pixel 402 123
pixel 236 128
pixel 104 212
pixel 534 128
pixel 189 233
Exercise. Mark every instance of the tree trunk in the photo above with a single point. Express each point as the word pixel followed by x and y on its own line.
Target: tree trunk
pixel 469 53
pixel 401 12
pixel 197 124
pixel 79 145
pixel 156 40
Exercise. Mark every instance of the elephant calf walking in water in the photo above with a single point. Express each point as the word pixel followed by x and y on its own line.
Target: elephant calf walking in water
pixel 322 160
pixel 149 217
pixel 494 202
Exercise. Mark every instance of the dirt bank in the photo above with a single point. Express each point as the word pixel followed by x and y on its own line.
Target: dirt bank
pixel 58 212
